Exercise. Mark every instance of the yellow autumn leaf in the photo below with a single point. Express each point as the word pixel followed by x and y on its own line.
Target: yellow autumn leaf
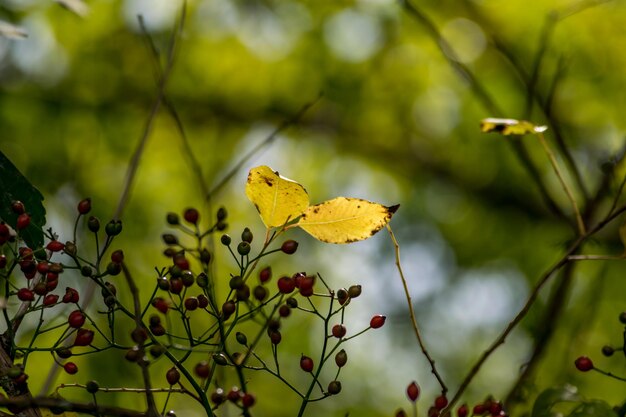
pixel 345 220
pixel 510 127
pixel 277 199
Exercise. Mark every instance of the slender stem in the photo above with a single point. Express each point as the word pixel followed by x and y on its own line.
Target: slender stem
pixel 416 330
pixel 568 191
pixel 529 302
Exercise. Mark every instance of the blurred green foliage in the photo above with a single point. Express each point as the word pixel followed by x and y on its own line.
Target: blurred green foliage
pixel 397 123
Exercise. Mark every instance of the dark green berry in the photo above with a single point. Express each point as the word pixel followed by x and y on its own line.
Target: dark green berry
pixel 241 338
pixel 92 387
pixel 354 291
pixel 93 224
pixel 172 219
pixel 169 239
pixel 246 235
pixel 608 350
pixel 243 248
pixel 220 359
pixel 202 280
pixel 225 239
pixel 236 282
pixel 221 214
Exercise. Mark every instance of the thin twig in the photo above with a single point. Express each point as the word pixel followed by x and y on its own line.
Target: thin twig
pixel 527 305
pixel 483 95
pixel 139 328
pixel 156 105
pixel 416 330
pixel 62 404
pixel 568 191
pixel 269 139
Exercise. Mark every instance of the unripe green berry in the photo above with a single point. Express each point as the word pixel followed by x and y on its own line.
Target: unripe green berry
pixel 221 214
pixel 113 228
pixel 246 235
pixel 236 282
pixel 93 224
pixel 157 350
pixel 607 350
pixel 202 280
pixel 243 248
pixel 220 359
pixel 172 219
pixel 170 239
pixel 225 239
pixel 241 339
pixel 622 317
pixel 92 387
pixel 260 293
pixel 86 271
pixel 114 269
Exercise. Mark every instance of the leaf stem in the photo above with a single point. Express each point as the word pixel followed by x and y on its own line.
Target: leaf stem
pixel 568 191
pixel 416 330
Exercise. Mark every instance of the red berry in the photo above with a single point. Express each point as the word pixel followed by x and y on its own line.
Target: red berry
pixel 176 285
pixel 41 288
pixel 284 310
pixel 55 246
pixel 42 267
pixel 441 402
pixel 339 331
pixel 172 376
pixel 248 400
pixel 191 215
pixel 286 285
pixel 495 408
pixel 71 295
pixel 26 254
pixel 218 397
pixel 70 368
pixel 23 220
pixel 117 257
pixel 228 308
pixel 413 391
pixel 84 206
pixel 24 294
pixel 289 247
pixel 191 303
pixel 160 304
pixel 265 274
pixel 584 364
pixel 463 411
pixel 202 369
pixel 479 409
pixel 377 321
pixel 306 363
pixel 18 207
pixel 275 337
pixel 84 337
pixel 181 262
pixel 203 301
pixel 234 395
pixel 50 299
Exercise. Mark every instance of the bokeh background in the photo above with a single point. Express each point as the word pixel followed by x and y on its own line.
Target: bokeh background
pixel 403 89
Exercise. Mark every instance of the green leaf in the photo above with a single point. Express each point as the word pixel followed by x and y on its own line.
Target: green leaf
pixel 593 408
pixel 14 186
pixel 548 398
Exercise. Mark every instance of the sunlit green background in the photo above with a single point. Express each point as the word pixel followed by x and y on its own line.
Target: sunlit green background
pixel 398 122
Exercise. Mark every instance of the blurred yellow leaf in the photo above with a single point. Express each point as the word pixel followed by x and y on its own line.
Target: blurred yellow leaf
pixel 345 220
pixel 277 199
pixel 510 127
